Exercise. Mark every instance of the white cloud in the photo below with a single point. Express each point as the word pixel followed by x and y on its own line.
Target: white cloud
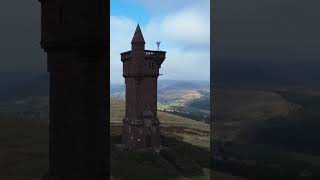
pixel 189 26
pixel 186 65
pixel 122 29
pixel 184 28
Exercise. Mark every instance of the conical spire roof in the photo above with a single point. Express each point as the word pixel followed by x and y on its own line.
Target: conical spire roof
pixel 138 37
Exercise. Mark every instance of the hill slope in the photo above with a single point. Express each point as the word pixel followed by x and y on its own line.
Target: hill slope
pixel 184 154
pixel 267 134
pixel 190 131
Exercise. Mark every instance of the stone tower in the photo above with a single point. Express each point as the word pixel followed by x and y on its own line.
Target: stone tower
pixel 141 72
pixel 74 34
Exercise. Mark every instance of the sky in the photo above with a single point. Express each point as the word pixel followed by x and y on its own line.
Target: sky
pixel 258 33
pixel 182 26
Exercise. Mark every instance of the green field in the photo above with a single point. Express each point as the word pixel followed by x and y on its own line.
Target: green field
pixel 194 104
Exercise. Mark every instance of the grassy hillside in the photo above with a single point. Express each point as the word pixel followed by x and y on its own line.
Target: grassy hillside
pixel 239 111
pixel 190 131
pixel 184 155
pixel 267 134
pixel 23 149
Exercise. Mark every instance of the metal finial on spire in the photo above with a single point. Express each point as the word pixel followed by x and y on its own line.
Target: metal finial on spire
pixel 158 44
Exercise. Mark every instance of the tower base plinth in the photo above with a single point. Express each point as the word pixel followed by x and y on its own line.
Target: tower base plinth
pixel 139 135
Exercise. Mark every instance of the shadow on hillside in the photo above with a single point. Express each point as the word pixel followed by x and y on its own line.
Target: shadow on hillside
pixel 276 148
pixel 176 159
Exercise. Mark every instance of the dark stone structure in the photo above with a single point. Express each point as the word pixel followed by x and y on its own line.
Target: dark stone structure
pixel 75 35
pixel 141 71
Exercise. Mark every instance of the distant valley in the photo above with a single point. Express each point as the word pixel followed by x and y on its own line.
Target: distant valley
pixel 29 97
pixel 185 98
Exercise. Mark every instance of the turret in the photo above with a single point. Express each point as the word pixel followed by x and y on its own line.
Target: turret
pixel 138 43
pixel 141 71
